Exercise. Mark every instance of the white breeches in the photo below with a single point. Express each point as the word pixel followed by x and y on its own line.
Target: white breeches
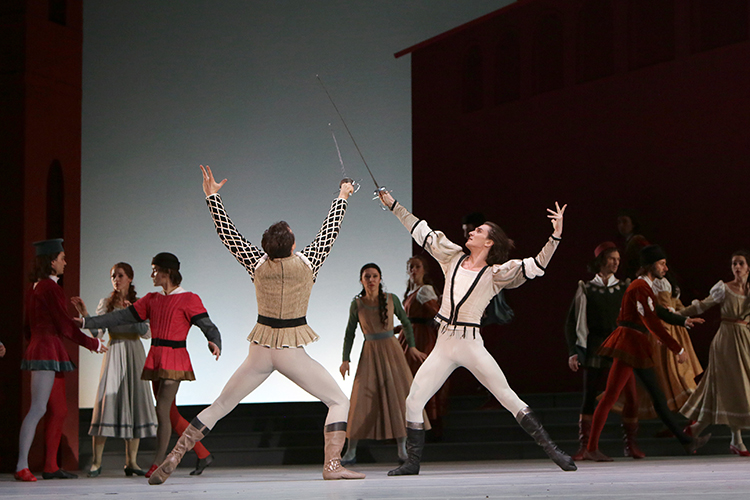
pixel 296 365
pixel 450 352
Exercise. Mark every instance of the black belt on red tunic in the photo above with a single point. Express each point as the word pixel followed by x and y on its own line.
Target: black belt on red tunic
pixel 633 326
pixel 174 344
pixel 281 323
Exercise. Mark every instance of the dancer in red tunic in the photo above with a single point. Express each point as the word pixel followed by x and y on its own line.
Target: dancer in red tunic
pixel 46 323
pixel 630 347
pixel 172 312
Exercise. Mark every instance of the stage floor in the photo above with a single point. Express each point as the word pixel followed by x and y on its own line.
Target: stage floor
pixel 709 477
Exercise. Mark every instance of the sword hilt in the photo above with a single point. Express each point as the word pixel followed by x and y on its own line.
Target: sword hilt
pixel 376 196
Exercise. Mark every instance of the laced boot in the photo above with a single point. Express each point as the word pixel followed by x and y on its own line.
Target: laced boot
pixel 530 423
pixel 335 436
pixel 414 447
pixel 584 431
pixel 629 433
pixel 194 433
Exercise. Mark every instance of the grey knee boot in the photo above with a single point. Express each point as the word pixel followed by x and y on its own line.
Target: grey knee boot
pixel 530 423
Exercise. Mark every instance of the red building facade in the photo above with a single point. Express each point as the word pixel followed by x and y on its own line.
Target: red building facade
pixel 601 104
pixel 40 123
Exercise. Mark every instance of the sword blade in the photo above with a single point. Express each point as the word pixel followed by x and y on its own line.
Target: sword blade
pixel 377 186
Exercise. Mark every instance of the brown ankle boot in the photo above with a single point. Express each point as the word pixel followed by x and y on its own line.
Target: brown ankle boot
pixel 334 443
pixel 194 433
pixel 629 433
pixel 584 431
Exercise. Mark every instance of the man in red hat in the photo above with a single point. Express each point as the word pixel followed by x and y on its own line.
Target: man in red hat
pixel 591 318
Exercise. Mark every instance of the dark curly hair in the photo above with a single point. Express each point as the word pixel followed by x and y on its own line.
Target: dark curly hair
pixel 278 241
pixel 502 245
pixel 114 298
pixel 382 298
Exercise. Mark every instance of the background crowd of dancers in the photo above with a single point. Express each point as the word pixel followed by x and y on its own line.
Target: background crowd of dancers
pixel 619 332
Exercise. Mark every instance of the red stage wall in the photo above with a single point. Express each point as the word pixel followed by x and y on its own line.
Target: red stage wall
pixel 40 84
pixel 602 105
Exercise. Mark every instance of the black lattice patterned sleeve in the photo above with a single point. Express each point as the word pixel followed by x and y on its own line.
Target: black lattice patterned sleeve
pixel 317 251
pixel 245 252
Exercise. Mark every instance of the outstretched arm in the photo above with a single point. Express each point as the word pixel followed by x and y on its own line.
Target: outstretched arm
pixel 115 318
pixel 435 242
pixel 317 251
pixel 515 273
pixel 245 252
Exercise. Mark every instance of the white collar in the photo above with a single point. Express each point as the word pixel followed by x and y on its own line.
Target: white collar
pixel 177 290
pixel 647 280
pixel 54 278
pixel 611 281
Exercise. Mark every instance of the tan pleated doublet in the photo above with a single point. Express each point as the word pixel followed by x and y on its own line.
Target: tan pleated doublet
pixel 283 289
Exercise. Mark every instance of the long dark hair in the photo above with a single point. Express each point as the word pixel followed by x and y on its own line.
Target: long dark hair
pixel 42 267
pixel 427 279
pixel 114 298
pixel 382 299
pixel 502 245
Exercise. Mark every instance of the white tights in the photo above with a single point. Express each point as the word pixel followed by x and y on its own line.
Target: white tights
pixel 296 365
pixel 41 387
pixel 450 352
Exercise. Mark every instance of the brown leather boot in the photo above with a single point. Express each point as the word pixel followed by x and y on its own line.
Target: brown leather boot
pixel 194 433
pixel 629 433
pixel 334 443
pixel 584 431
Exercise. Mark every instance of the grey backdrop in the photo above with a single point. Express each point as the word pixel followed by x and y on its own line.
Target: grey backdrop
pixel 169 85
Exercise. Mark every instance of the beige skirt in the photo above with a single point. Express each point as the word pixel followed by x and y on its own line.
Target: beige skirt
pixel 723 394
pixel 381 384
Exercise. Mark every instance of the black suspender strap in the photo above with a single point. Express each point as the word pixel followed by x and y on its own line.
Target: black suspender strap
pixel 453 320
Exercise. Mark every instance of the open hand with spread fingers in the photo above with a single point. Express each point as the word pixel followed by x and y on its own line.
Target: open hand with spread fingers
pixel 556 216
pixel 210 186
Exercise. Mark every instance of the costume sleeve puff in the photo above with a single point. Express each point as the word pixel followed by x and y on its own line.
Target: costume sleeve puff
pixel 53 299
pixel 425 294
pixel 351 327
pixel 516 272
pixel 429 299
pixel 408 331
pixel 317 251
pixel 716 296
pixel 435 242
pixel 245 252
pixel 647 309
